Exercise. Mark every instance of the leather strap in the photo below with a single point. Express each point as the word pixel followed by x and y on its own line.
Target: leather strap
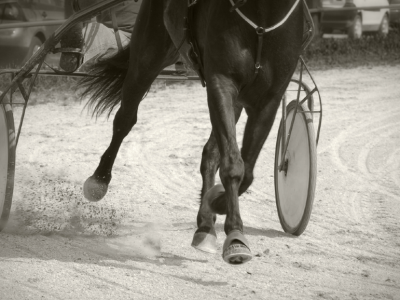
pixel 251 23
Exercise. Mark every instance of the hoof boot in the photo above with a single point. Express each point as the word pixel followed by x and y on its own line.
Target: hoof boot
pixel 236 249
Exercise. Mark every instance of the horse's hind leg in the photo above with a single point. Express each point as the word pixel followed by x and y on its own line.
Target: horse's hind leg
pixel 151 51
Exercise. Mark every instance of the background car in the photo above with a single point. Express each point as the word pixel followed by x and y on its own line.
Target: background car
pixel 353 22
pixel 17 44
pixel 394 19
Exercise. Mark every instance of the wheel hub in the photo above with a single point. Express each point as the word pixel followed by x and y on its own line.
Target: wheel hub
pixel 284 167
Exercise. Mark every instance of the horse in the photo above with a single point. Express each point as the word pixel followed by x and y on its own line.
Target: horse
pixel 244 67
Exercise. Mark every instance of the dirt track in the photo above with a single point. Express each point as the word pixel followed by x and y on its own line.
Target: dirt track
pixel 135 243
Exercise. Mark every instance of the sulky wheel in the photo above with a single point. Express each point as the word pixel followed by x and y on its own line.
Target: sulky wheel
pixel 7 160
pixel 295 183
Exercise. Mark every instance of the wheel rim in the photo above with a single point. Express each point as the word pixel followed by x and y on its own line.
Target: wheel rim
pixel 4 157
pixel 295 187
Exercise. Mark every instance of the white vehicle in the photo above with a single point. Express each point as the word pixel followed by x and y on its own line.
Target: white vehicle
pixel 358 21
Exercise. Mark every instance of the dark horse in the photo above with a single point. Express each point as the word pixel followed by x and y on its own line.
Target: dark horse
pixel 228 48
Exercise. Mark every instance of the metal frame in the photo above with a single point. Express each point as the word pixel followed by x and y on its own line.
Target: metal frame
pixel 302 86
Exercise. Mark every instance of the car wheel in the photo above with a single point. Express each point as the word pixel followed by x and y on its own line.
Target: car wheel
pixel 355 30
pixel 34 46
pixel 384 27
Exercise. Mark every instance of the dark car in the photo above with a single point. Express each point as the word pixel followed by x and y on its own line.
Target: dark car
pixel 17 44
pixel 395 14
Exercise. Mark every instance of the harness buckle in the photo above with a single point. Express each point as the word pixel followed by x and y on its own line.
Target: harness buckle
pixel 260 30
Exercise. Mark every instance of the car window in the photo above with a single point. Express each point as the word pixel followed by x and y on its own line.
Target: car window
pixel 10 12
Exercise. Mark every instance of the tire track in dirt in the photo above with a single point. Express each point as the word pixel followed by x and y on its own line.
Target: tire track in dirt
pixel 164 168
pixel 351 241
pixel 368 207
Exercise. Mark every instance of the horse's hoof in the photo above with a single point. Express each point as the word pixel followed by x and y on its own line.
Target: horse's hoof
pixel 94 190
pixel 213 193
pixel 205 242
pixel 236 249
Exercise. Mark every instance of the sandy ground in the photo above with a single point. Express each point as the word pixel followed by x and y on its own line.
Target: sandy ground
pixel 135 243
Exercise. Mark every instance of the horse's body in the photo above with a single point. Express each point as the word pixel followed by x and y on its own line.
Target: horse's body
pixel 228 49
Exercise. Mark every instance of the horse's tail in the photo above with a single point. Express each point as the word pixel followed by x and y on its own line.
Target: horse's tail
pixel 104 84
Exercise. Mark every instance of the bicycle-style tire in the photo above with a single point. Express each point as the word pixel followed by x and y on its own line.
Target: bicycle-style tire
pixel 7 160
pixel 295 186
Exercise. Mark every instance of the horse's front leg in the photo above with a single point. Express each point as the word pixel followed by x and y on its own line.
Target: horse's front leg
pixel 205 236
pixel 222 94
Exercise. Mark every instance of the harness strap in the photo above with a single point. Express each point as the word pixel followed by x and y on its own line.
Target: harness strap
pixel 261 31
pixel 251 23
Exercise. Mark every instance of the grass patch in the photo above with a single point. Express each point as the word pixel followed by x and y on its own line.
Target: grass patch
pixel 350 53
pixel 47 89
pixel 55 89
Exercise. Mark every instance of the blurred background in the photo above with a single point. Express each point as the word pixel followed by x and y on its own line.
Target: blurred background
pixel 333 19
pixel 17 44
pixel 347 18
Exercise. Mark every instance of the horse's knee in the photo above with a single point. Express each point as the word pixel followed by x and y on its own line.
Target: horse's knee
pixel 232 170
